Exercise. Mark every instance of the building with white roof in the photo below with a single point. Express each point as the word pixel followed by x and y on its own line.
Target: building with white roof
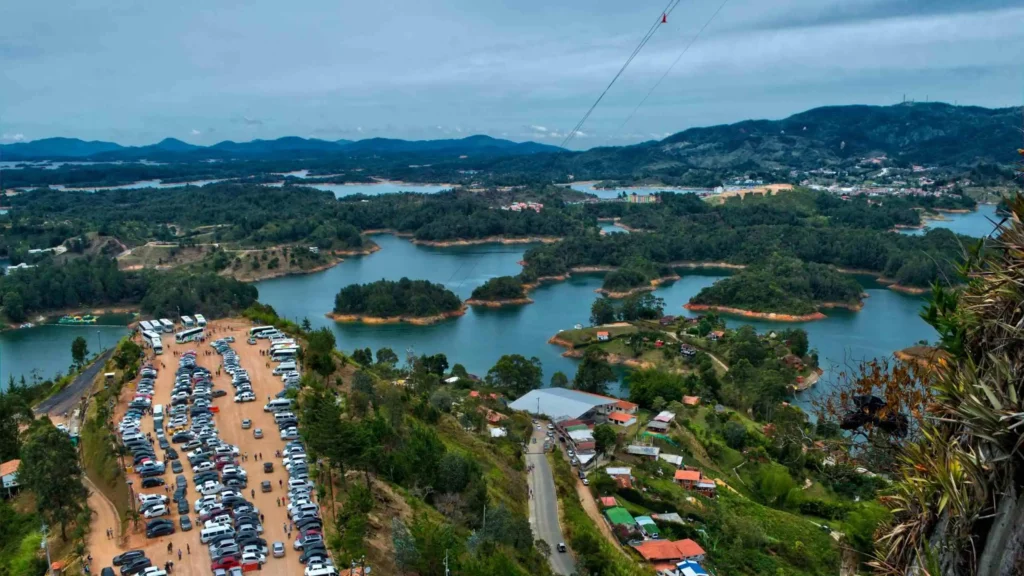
pixel 564 404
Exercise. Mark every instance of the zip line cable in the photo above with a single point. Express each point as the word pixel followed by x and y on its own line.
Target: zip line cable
pixel 643 42
pixel 692 41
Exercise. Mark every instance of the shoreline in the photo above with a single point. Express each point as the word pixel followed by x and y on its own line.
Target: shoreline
pixel 649 288
pixel 338 255
pixel 415 320
pixel 613 359
pixel 465 242
pixel 889 282
pixel 499 303
pixel 773 316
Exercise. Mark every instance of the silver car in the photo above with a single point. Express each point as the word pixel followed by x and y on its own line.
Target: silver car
pixel 278 549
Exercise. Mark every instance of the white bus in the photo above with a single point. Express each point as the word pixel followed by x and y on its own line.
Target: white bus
pixel 189 335
pixel 200 321
pixel 280 355
pixel 146 326
pixel 282 342
pixel 187 322
pixel 167 325
pixel 253 332
pixel 158 346
pixel 151 334
pixel 276 347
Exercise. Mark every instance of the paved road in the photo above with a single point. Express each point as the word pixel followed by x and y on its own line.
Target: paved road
pixel 69 397
pixel 544 507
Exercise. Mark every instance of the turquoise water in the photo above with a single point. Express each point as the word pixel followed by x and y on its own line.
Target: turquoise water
pixel 978 224
pixel 609 228
pixel 140 184
pixel 46 350
pixel 888 322
pixel 379 188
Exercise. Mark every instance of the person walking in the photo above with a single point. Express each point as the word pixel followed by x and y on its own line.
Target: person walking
pixel 179 554
pixel 188 549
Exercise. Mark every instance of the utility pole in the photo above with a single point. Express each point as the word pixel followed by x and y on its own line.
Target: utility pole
pixel 446 572
pixel 46 546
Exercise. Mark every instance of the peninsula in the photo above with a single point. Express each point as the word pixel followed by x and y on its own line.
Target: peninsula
pixel 391 302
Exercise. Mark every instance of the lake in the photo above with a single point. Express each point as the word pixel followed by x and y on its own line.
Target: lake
pixel 888 322
pixel 610 228
pixel 589 188
pixel 978 224
pixel 140 184
pixel 46 350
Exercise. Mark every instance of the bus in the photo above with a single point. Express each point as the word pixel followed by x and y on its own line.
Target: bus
pixel 151 334
pixel 158 346
pixel 276 347
pixel 189 335
pixel 253 332
pixel 200 321
pixel 279 355
pixel 167 325
pixel 282 342
pixel 187 322
pixel 146 326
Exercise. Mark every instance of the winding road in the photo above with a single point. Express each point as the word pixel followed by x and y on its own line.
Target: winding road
pixel 544 506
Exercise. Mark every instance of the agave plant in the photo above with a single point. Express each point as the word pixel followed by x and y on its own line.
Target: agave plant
pixel 958 502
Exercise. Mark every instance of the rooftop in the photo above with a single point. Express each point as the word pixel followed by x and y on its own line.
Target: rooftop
pixel 619 515
pixel 667 550
pixel 643 450
pixel 559 403
pixel 688 475
pixel 9 467
pixel 620 417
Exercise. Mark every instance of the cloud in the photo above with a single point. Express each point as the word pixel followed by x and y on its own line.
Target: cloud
pixel 196 132
pixel 538 128
pixel 17 137
pixel 252 121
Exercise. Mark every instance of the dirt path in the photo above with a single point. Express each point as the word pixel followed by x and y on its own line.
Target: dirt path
pixel 104 517
pixel 590 505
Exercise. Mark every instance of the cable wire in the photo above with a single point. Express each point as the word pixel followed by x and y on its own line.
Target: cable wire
pixel 643 42
pixel 692 41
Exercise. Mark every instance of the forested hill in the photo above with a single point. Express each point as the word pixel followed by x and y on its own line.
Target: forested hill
pixel 928 133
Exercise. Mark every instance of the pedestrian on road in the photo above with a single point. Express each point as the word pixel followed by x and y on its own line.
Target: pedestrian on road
pixel 261 518
pixel 179 553
pixel 188 549
pixel 280 483
pixel 252 493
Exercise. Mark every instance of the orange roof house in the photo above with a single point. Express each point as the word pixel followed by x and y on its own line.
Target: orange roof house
pixel 691 400
pixel 9 467
pixel 474 394
pixel 609 501
pixel 622 419
pixel 627 407
pixel 688 478
pixel 602 336
pixel 666 550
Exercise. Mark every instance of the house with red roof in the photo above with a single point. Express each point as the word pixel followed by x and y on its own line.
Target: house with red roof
pixel 691 479
pixel 622 419
pixel 691 400
pixel 9 474
pixel 627 407
pixel 608 502
pixel 665 554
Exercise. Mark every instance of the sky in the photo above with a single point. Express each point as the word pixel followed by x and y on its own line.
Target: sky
pixel 205 71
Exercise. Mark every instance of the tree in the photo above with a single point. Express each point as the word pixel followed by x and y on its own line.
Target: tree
pixel 441 399
pixel 515 374
pixel 797 340
pixel 735 435
pixel 319 351
pixel 12 415
pixel 363 383
pixel 559 380
pixel 642 306
pixel 605 438
pixel 436 364
pixel 406 555
pixel 602 311
pixel 594 373
pixel 387 357
pixel 363 357
pixel 460 371
pixel 306 325
pixel 79 351
pixel 50 470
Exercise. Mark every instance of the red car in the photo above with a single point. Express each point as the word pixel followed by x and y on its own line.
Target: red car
pixel 225 563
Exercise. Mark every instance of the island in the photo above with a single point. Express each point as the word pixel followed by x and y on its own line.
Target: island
pixel 782 289
pixel 390 302
pixel 500 291
pixel 637 276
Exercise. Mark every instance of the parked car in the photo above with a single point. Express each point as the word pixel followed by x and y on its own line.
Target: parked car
pixel 257 433
pixel 246 424
pixel 186 522
pixel 278 549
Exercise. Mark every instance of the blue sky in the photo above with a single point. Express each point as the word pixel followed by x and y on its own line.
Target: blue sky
pixel 205 71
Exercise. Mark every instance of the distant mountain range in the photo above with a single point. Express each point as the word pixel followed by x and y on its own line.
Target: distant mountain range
pixel 174 149
pixel 920 133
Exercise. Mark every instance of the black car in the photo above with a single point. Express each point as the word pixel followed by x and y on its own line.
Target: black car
pixel 218 393
pixel 161 530
pixel 268 467
pixel 128 557
pixel 183 506
pixel 176 466
pixel 186 523
pixel 135 566
pixel 170 454
pixel 152 482
pixel 107 571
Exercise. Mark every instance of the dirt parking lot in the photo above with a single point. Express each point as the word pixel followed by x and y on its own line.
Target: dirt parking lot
pixel 229 424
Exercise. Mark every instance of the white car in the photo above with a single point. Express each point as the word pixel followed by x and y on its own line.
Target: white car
pixel 143 498
pixel 290 433
pixel 203 467
pixel 211 488
pixel 252 557
pixel 159 510
pixel 245 397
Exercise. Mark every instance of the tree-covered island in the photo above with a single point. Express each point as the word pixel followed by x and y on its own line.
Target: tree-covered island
pixel 781 289
pixel 388 301
pixel 500 291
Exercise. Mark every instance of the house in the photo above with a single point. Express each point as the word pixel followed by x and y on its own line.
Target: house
pixel 687 350
pixel 451 380
pixel 647 524
pixel 665 416
pixel 618 471
pixel 608 502
pixel 715 335
pixel 647 451
pixel 561 404
pixel 673 459
pixel 627 407
pixel 657 426
pixel 687 478
pixel 603 336
pixel 665 554
pixel 314 250
pixel 619 515
pixel 691 400
pixel 793 361
pixel 623 482
pixel 622 419
pixel 9 474
pixel 498 432
pixel 691 568
pixel 670 517
pixel 666 320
